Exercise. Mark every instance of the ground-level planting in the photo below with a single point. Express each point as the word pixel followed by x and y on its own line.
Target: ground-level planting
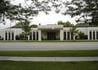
pixel 12 65
pixel 55 53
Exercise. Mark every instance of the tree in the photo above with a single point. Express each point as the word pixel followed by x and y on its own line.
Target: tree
pixel 74 32
pixel 82 25
pixel 5 8
pixel 19 12
pixel 25 25
pixel 65 24
pixel 86 9
pixel 34 26
pixel 82 35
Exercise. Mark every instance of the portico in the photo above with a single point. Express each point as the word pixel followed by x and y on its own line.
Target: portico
pixel 51 32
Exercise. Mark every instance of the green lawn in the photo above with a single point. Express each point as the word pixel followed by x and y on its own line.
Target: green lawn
pixel 11 65
pixel 60 53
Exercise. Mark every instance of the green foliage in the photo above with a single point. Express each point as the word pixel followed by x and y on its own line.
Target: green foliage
pixel 25 26
pixel 1 38
pixel 34 26
pixel 82 25
pixel 85 9
pixel 21 36
pixel 18 12
pixel 82 35
pixel 74 32
pixel 65 24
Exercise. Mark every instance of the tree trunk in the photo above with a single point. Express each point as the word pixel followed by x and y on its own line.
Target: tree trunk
pixel 73 37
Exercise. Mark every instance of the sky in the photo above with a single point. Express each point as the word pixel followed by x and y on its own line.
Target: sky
pixel 52 18
pixel 42 18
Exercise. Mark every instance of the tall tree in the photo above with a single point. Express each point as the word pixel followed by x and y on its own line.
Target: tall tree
pixel 25 25
pixel 74 32
pixel 11 11
pixel 21 13
pixel 86 9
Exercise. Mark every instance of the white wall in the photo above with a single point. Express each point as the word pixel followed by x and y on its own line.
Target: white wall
pixel 17 31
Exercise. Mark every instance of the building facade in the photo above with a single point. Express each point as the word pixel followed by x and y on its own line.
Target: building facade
pixel 49 32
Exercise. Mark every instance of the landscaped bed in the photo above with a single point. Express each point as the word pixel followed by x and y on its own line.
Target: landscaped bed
pixel 60 53
pixel 11 65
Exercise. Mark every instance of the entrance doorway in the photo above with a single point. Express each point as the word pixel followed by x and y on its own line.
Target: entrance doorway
pixel 51 35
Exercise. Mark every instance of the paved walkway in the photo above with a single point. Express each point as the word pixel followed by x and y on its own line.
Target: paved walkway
pixel 48 46
pixel 53 59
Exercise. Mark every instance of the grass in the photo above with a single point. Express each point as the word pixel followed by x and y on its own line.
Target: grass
pixel 60 53
pixel 11 65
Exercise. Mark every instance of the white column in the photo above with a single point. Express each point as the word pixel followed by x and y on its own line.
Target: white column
pixel 10 35
pixel 70 35
pixel 14 35
pixel 28 37
pixel 92 34
pixel 74 37
pixel 4 35
pixel 88 35
pixel 61 35
pixel 35 35
pixel 32 35
pixel 66 35
pixel 39 35
pixel 95 35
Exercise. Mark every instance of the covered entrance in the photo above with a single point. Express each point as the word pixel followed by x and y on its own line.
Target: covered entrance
pixel 51 35
pixel 50 32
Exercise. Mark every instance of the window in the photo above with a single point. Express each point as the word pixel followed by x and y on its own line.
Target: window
pixel 37 35
pixel 33 35
pixel 64 35
pixel 90 34
pixel 5 35
pixel 12 35
pixel 9 36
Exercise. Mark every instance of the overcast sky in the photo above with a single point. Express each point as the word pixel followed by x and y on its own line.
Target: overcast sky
pixel 42 18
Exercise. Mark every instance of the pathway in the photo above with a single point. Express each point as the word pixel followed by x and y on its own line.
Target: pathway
pixel 48 46
pixel 52 59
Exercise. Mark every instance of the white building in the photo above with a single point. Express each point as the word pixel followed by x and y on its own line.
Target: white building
pixel 49 32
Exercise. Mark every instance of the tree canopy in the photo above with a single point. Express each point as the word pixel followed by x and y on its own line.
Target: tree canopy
pixel 18 12
pixel 86 9
pixel 65 24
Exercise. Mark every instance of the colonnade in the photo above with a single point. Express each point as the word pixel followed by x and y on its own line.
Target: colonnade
pixel 9 36
pixel 34 35
pixel 64 35
pixel 92 35
pixel 67 35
